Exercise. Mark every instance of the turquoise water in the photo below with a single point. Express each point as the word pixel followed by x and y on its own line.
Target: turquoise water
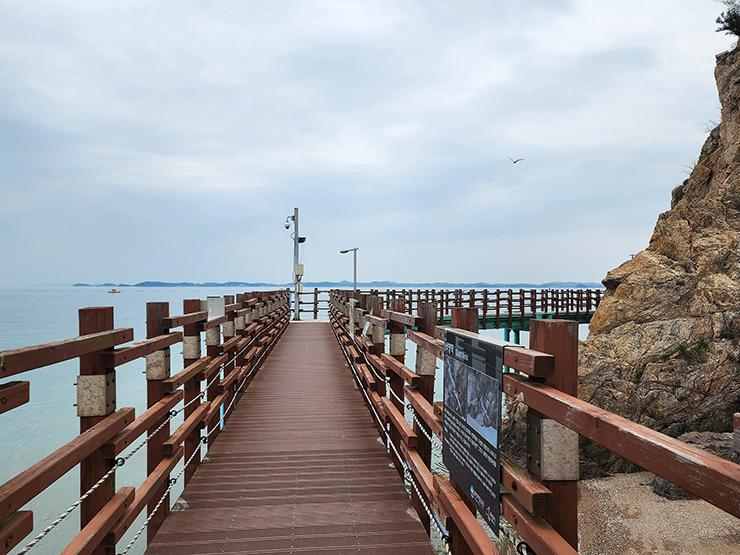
pixel 29 433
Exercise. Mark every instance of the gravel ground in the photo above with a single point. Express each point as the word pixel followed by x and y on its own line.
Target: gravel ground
pixel 622 516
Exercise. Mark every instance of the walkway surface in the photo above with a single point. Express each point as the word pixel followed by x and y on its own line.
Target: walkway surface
pixel 298 468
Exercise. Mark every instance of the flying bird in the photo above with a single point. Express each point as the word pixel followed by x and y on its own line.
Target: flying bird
pixel 517 160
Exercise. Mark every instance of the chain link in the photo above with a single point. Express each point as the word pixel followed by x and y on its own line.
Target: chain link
pixel 434 440
pixel 172 482
pixel 119 462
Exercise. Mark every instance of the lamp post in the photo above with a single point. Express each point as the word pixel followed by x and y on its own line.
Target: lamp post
pixel 297 268
pixel 354 250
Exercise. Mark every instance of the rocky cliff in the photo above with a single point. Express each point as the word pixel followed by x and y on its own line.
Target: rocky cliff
pixel 663 348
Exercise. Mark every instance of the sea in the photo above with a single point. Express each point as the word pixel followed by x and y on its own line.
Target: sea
pixel 41 314
pixel 36 315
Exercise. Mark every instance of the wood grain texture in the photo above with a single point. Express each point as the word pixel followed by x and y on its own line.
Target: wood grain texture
pixel 141 349
pixel 14 394
pixel 14 529
pixel 91 535
pixel 712 478
pixel 17 491
pixel 534 530
pixel 15 361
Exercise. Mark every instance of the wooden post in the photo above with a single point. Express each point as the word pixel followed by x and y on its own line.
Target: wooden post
pixel 375 306
pixel 93 320
pixel 485 309
pixel 560 338
pixel 510 307
pixel 398 351
pixel 155 314
pixel 229 332
pixel 213 350
pixel 191 389
pixel 498 307
pixel 464 319
pixel 315 304
pixel 521 309
pixel 426 363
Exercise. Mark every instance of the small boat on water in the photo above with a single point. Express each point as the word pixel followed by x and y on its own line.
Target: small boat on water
pixel 114 290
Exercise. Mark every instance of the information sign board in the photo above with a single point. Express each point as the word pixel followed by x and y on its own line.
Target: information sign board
pixel 472 418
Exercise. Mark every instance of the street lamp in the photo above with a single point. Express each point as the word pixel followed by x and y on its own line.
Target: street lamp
pixel 297 268
pixel 354 250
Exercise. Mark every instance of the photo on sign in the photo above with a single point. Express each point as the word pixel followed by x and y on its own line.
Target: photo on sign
pixel 483 405
pixel 456 386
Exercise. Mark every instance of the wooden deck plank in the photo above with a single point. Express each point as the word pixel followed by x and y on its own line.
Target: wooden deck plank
pixel 298 468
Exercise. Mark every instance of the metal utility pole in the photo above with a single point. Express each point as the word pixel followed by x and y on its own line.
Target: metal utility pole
pixel 297 314
pixel 297 268
pixel 354 251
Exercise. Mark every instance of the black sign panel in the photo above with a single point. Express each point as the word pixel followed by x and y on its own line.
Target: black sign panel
pixel 472 418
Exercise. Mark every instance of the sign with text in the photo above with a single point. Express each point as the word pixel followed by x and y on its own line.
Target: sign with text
pixel 472 417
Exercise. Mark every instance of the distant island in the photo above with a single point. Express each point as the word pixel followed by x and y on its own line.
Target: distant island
pixel 371 285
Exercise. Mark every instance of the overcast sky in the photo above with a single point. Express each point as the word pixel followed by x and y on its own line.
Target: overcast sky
pixel 170 140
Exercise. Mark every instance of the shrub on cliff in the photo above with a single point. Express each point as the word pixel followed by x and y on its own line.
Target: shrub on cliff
pixel 729 21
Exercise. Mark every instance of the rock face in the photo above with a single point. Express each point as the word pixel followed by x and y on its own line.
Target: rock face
pixel 663 347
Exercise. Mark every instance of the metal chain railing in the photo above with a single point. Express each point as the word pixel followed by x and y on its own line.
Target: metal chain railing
pixel 522 548
pixel 172 482
pixel 444 535
pixel 204 440
pixel 433 440
pixel 119 462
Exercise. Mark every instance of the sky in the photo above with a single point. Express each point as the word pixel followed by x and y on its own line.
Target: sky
pixel 169 141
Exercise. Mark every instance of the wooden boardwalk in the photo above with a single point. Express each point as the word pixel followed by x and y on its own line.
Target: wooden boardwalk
pixel 298 467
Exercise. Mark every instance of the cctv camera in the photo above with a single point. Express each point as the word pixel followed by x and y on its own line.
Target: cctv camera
pixel 287 225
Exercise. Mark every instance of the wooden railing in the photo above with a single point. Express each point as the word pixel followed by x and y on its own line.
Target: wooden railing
pixel 251 324
pixel 313 302
pixel 496 307
pixel 543 512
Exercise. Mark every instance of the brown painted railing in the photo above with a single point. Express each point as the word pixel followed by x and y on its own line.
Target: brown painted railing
pixel 251 325
pixel 501 307
pixel 313 302
pixel 543 512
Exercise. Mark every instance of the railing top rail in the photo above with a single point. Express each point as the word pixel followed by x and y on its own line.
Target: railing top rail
pixel 15 361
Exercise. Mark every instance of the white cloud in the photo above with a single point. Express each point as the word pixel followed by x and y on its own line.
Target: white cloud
pixel 389 124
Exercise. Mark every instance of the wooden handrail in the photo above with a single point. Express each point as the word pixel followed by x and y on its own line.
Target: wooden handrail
pixel 14 394
pixel 91 535
pixel 528 500
pixel 705 475
pixel 19 490
pixel 16 361
pixel 146 420
pixel 111 514
pixel 141 349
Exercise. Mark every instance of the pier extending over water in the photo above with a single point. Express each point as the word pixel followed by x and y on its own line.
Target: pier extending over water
pixel 310 427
